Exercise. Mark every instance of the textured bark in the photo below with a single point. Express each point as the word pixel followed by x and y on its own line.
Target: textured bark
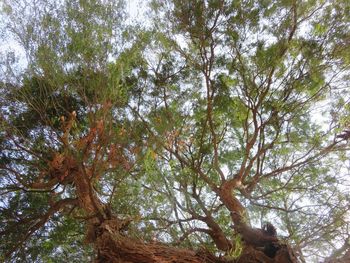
pixel 112 246
pixel 227 198
pixel 108 234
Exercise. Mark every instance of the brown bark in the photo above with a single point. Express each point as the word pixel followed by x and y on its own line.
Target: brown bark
pixel 108 235
pixel 253 255
pixel 255 236
pixel 227 198
pixel 114 247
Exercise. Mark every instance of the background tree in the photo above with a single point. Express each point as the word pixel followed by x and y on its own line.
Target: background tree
pixel 194 130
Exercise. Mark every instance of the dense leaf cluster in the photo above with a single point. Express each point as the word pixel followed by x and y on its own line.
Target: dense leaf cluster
pixel 208 108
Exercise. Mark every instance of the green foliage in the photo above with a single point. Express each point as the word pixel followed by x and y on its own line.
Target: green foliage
pixel 235 252
pixel 165 110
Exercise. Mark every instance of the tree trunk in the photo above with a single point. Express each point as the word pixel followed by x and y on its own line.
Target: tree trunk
pixel 112 246
pixel 108 234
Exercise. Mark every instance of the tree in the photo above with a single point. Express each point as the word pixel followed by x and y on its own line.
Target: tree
pixel 214 133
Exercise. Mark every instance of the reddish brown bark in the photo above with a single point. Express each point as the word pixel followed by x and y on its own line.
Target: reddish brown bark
pixel 108 234
pixel 114 247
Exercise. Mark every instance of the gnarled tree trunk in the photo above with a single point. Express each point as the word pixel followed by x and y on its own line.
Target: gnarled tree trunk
pixel 113 246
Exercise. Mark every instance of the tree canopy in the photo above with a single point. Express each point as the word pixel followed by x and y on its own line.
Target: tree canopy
pixel 199 131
